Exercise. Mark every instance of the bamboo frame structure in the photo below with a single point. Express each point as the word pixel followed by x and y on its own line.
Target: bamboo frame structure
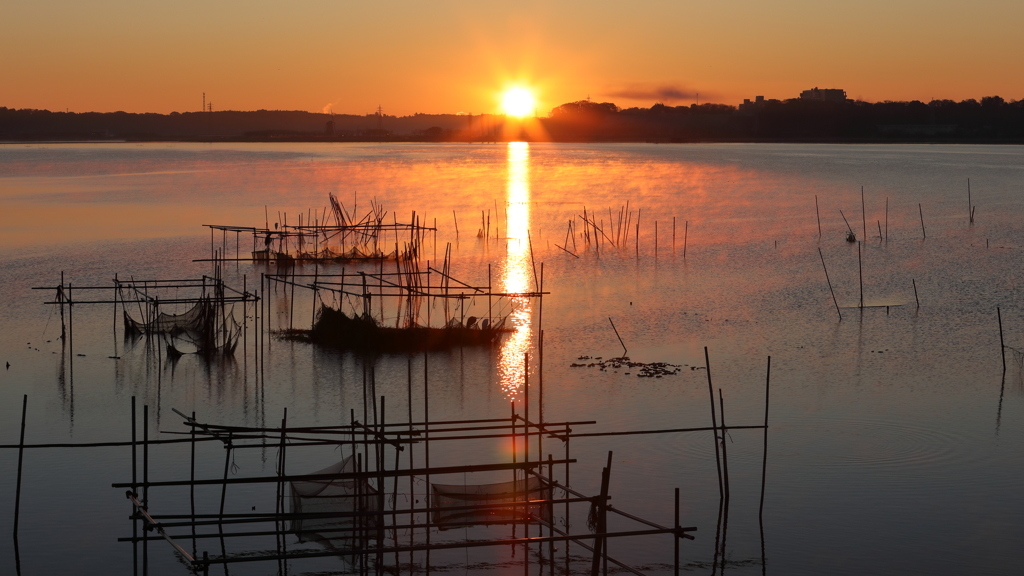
pixel 334 236
pixel 209 322
pixel 376 534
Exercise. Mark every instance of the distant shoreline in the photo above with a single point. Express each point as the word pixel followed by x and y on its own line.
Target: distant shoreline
pixel 990 121
pixel 201 140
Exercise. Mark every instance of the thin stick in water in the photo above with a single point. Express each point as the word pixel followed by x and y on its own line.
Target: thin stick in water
pixel 21 455
pixel 863 213
pixel 860 272
pixel 970 206
pixel 830 284
pixel 848 227
pixel 764 459
pixel 921 211
pixel 686 230
pixel 714 425
pixel 817 214
pixel 1003 350
pixel 624 351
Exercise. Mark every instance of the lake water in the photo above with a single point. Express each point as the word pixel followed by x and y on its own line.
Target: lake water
pixel 895 439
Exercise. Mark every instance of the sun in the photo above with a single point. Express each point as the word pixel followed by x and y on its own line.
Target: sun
pixel 518 102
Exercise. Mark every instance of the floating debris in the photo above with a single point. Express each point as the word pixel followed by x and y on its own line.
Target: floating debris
pixel 647 369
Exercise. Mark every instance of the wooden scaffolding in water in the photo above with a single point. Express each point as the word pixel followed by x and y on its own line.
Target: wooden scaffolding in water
pixel 351 509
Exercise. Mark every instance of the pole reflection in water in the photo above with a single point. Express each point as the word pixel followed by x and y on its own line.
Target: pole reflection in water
pixel 516 273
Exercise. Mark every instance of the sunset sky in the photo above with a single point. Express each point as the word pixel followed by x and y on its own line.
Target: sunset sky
pixel 458 56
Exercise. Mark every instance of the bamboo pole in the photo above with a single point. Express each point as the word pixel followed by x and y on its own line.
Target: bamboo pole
pixel 725 452
pixel 686 230
pixel 860 271
pixel 145 482
pixel 21 457
pixel 829 284
pixel 970 206
pixel 764 459
pixel 714 424
pixel 848 227
pixel 602 504
pixel 863 213
pixel 135 468
pixel 624 351
pixel 675 540
pixel 817 214
pixel 1003 347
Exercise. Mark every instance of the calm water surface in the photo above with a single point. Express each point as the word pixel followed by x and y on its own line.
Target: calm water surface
pixel 896 441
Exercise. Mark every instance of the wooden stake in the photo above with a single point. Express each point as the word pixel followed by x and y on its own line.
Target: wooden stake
pixel 921 211
pixel 970 206
pixel 725 452
pixel 916 299
pixel 848 227
pixel 830 284
pixel 714 424
pixel 863 213
pixel 686 229
pixel 624 351
pixel 21 457
pixel 1003 352
pixel 676 539
pixel 602 503
pixel 817 214
pixel 860 272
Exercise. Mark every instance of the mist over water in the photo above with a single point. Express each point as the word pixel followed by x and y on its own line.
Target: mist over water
pixel 895 438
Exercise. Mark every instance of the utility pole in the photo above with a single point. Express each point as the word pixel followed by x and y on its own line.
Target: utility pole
pixel 204 102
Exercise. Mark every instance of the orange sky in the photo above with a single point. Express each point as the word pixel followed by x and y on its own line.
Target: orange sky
pixel 456 56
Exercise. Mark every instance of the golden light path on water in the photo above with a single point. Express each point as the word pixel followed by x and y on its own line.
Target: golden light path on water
pixel 517 272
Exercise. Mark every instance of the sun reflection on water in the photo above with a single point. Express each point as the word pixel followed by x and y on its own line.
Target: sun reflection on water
pixel 517 272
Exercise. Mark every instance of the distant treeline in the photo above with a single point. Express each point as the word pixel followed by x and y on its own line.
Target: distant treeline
pixel 991 119
pixel 259 125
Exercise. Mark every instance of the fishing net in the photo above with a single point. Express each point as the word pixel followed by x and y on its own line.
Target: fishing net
pixel 499 503
pixel 335 499
pixel 190 320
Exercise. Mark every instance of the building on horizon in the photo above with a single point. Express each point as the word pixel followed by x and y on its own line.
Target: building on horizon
pixel 824 94
pixel 757 104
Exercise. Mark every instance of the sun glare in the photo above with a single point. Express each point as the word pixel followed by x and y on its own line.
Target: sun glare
pixel 518 102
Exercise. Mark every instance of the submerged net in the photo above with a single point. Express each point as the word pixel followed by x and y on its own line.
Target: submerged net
pixel 336 500
pixel 500 503
pixel 190 320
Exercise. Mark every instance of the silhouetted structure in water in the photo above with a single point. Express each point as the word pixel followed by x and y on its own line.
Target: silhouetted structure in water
pixel 335 328
pixel 208 327
pixel 406 310
pixel 334 236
